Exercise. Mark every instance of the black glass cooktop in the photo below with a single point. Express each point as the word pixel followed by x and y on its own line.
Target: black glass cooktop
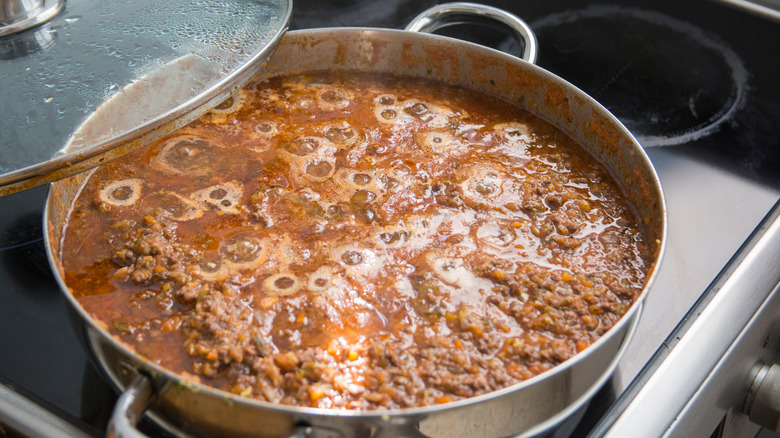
pixel 696 81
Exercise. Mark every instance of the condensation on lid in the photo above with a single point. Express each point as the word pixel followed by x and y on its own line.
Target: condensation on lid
pixel 105 76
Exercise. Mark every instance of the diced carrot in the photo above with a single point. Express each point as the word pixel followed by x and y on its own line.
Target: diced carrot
pixel 586 283
pixel 316 393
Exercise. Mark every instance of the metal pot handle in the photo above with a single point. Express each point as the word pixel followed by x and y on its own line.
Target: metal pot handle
pixel 129 408
pixel 139 393
pixel 455 13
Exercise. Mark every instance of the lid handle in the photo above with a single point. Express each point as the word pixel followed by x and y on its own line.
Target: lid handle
pixel 18 15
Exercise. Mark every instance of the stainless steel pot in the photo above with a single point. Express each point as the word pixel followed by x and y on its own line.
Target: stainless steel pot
pixel 530 407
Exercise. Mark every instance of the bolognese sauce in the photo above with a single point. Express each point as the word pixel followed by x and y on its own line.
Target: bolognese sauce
pixel 353 241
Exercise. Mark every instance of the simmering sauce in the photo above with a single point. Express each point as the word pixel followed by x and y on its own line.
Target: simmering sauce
pixel 356 242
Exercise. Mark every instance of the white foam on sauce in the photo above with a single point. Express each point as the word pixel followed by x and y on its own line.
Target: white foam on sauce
pixel 229 105
pixel 333 98
pixel 123 193
pixel 341 134
pixel 321 279
pixel 483 183
pixel 187 155
pixel 210 268
pixel 496 234
pixel 176 206
pixel 441 141
pixel 281 284
pixel 225 197
pixel 244 250
pixel 266 129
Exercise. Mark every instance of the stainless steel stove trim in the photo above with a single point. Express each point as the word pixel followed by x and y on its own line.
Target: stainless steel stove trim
pixel 721 398
pixel 765 8
pixel 654 403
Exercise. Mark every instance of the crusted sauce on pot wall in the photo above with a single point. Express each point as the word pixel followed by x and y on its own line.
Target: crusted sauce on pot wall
pixel 356 242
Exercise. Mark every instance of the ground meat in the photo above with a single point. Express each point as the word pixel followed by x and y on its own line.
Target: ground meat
pixel 357 243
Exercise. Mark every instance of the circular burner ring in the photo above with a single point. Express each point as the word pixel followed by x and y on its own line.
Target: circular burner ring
pixel 669 81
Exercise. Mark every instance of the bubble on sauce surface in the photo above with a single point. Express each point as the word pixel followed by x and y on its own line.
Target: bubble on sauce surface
pixel 281 284
pixel 174 205
pixel 389 110
pixel 385 100
pixel 351 257
pixel 245 249
pixel 265 97
pixel 266 129
pixel 449 270
pixel 396 178
pixel 440 141
pixel 386 115
pixel 187 155
pixel 358 261
pixel 226 110
pixel 321 279
pixel 231 104
pixel 393 237
pixel 351 180
pixel 515 132
pixel 423 230
pixel 430 114
pixel 496 234
pixel 320 169
pixel 386 109
pixel 211 268
pixel 309 146
pixel 225 197
pixel 483 183
pixel 362 196
pixel 333 98
pixel 361 179
pixel 262 137
pixel 123 193
pixel 342 134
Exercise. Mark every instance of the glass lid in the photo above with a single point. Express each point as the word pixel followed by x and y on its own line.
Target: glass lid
pixel 98 78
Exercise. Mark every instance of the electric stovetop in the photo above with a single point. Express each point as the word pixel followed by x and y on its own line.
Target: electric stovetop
pixel 698 83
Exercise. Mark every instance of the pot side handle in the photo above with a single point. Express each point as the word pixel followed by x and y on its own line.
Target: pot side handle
pixel 456 13
pixel 129 408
